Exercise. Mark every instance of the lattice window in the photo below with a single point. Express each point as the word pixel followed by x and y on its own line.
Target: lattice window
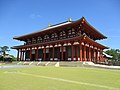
pixel 62 35
pixel 39 39
pixel 28 41
pixel 54 36
pixel 71 33
pixel 79 33
pixel 33 40
pixel 46 38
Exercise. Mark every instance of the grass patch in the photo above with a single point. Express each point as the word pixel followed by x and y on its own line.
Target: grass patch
pixel 34 78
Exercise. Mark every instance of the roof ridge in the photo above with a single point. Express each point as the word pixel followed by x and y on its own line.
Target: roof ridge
pixel 61 23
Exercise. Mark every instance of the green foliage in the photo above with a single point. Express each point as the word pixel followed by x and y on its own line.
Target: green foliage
pixel 115 53
pixel 3 51
pixel 13 58
pixel 1 58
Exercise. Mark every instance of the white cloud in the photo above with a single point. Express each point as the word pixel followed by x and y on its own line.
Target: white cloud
pixel 33 16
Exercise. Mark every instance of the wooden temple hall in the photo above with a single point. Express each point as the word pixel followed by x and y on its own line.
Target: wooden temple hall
pixel 66 41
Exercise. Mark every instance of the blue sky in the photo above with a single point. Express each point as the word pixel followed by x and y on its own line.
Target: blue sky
pixel 19 17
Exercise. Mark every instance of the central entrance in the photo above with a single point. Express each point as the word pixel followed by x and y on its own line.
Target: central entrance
pixel 47 57
pixel 47 54
pixel 64 54
pixel 33 55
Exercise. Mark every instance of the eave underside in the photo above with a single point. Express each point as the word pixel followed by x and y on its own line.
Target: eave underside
pixel 79 39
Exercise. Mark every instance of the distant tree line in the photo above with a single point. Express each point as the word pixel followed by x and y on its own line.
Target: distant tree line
pixel 115 53
pixel 4 56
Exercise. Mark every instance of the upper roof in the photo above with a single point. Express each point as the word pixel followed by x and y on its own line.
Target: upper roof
pixel 88 28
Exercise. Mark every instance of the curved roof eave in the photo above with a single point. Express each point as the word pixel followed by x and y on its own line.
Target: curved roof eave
pixel 43 30
pixel 92 42
pixel 62 25
pixel 85 22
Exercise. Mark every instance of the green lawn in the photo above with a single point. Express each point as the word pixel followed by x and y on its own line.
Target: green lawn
pixel 59 78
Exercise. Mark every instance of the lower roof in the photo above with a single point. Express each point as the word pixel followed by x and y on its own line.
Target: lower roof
pixel 81 39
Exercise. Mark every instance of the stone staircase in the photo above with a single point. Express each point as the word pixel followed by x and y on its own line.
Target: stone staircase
pixel 52 64
pixel 56 64
pixel 71 64
pixel 42 63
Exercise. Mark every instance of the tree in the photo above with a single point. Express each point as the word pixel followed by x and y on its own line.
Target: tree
pixel 3 50
pixel 13 58
pixel 115 53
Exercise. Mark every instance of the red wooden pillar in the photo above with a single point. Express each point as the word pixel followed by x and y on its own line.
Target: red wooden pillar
pixel 84 53
pixel 59 53
pixel 89 54
pixel 23 55
pixel 30 53
pixel 72 51
pixel 36 57
pixel 66 53
pixel 93 54
pixel 53 52
pixel 18 55
pixel 44 52
pixel 81 53
pixel 62 51
pixel 76 52
pixel 101 56
pixel 97 55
